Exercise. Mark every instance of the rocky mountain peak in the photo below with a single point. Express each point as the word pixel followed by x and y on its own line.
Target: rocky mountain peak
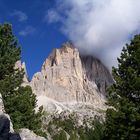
pixel 67 77
pixel 67 45
pixel 58 55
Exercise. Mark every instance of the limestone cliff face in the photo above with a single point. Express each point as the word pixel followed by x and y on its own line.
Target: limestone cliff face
pixel 96 72
pixel 68 77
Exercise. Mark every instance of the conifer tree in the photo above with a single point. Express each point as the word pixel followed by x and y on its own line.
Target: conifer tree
pixel 19 102
pixel 123 119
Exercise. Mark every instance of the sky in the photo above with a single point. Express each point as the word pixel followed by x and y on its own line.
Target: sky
pixel 36 36
pixel 96 27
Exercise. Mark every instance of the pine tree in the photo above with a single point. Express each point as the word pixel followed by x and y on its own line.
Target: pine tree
pixel 123 119
pixel 19 102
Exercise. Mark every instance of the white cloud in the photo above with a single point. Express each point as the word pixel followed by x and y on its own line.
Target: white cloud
pixel 20 15
pixel 27 31
pixel 98 27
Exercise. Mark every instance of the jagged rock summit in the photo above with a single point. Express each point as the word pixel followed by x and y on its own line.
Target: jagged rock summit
pixel 68 78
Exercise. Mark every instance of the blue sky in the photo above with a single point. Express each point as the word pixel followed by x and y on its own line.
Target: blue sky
pixel 36 36
pixel 96 27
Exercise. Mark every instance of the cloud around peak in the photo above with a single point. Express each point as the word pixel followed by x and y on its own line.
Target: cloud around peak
pixel 98 27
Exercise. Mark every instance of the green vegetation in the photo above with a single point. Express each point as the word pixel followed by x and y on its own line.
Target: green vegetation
pixel 59 128
pixel 19 102
pixel 60 136
pixel 123 120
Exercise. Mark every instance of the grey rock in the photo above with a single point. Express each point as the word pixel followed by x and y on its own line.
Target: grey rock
pixel 4 127
pixel 4 115
pixel 97 72
pixel 26 134
pixel 5 133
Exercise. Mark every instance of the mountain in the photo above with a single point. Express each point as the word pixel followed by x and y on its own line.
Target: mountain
pixel 69 81
pixel 72 90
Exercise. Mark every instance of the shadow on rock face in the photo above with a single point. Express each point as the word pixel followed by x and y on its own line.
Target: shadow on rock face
pixel 14 137
pixel 5 133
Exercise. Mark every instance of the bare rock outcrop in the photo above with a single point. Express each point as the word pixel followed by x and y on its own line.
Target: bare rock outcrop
pixel 22 66
pixel 26 134
pixel 96 72
pixel 4 115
